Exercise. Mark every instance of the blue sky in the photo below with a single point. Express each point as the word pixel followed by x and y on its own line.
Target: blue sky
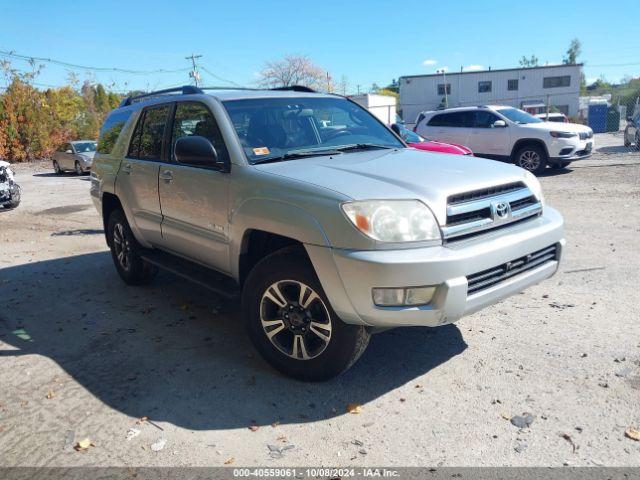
pixel 365 41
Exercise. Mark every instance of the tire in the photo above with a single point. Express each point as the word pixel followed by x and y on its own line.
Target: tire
pixel 560 165
pixel 532 158
pixel 126 251
pixel 78 169
pixel 15 196
pixel 56 168
pixel 330 345
pixel 627 143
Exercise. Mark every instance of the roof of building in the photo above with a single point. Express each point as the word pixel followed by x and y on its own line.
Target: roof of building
pixel 450 74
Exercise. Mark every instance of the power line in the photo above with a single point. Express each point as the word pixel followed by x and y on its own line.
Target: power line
pixel 219 77
pixel 12 54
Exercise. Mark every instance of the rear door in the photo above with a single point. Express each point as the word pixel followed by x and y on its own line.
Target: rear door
pixel 137 182
pixel 194 198
pixel 64 156
pixel 451 127
pixel 487 139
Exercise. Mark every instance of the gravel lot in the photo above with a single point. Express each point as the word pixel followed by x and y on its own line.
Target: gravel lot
pixel 84 356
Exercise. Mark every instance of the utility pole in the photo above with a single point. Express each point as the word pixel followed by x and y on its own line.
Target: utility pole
pixel 444 79
pixel 194 73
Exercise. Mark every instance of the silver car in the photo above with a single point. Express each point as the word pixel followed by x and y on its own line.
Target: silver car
pixel 319 216
pixel 74 156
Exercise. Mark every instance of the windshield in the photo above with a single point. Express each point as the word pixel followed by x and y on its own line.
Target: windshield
pixel 518 116
pixel 275 127
pixel 410 137
pixel 85 147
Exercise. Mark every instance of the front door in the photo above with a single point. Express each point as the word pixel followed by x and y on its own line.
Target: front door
pixel 137 183
pixel 487 139
pixel 194 198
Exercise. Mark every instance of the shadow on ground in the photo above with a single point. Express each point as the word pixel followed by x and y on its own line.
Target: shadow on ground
pixel 69 175
pixel 174 353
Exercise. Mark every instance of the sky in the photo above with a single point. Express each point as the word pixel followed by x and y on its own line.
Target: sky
pixel 367 42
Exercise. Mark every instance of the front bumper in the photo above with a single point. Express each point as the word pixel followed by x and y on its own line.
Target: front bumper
pixel 348 277
pixel 570 150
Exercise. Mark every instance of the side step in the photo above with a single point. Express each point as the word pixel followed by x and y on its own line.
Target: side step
pixel 210 279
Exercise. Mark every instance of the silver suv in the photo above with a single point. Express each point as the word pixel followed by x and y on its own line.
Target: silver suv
pixel 318 215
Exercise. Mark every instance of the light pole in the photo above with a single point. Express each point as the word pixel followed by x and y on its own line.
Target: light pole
pixel 444 80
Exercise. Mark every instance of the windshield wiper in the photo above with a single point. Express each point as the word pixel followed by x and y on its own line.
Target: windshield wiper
pixel 293 155
pixel 364 146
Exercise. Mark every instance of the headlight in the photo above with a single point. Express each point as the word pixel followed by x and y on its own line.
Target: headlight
pixel 534 185
pixel 393 220
pixel 563 134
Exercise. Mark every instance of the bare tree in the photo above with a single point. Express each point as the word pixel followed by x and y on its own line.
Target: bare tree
pixel 294 70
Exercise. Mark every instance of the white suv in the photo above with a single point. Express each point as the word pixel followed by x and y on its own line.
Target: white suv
pixel 506 133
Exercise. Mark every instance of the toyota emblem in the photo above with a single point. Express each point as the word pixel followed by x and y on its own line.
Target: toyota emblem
pixel 501 210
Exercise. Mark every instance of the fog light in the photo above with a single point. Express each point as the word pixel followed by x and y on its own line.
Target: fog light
pixel 399 297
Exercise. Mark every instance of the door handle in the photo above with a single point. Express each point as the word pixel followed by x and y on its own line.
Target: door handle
pixel 167 176
pixel 126 168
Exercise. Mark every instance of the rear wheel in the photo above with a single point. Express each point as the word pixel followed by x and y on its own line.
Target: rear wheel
pixel 56 167
pixel 532 158
pixel 126 251
pixel 291 322
pixel 78 168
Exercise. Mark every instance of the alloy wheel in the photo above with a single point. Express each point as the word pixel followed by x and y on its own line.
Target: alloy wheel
pixel 78 169
pixel 529 160
pixel 295 319
pixel 56 167
pixel 122 247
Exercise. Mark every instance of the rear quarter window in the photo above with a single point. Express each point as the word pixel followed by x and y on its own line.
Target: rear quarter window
pixel 111 130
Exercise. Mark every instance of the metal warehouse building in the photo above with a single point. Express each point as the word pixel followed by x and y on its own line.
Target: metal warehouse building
pixel 526 88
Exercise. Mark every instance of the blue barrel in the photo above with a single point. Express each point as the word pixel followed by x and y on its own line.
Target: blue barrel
pixel 598 118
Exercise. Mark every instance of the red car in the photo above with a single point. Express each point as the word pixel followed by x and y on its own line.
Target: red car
pixel 416 141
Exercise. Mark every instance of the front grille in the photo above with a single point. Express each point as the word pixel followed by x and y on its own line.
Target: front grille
pixel 474 212
pixel 586 135
pixel 493 276
pixel 484 193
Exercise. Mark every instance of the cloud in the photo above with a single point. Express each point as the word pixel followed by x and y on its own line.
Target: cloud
pixel 429 62
pixel 473 68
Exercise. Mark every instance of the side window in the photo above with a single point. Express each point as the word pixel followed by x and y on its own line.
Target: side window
pixel 195 119
pixel 111 131
pixel 437 121
pixel 134 146
pixel 484 119
pixel 152 134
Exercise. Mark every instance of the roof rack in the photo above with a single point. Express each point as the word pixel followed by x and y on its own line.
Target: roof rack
pixel 295 88
pixel 185 90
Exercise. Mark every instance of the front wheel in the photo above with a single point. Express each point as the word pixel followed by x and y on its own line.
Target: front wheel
pixel 292 324
pixel 56 167
pixel 532 158
pixel 78 168
pixel 126 251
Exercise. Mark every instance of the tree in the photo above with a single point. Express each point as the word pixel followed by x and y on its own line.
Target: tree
pixel 573 52
pixel 294 70
pixel 529 62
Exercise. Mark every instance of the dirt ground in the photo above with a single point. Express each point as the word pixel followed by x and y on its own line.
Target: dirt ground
pixel 84 356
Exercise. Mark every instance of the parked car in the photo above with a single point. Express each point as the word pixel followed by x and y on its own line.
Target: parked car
pixel 74 157
pixel 557 117
pixel 416 141
pixel 328 234
pixel 509 134
pixel 632 131
pixel 9 189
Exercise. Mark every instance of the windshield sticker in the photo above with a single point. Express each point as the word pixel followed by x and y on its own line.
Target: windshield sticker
pixel 261 151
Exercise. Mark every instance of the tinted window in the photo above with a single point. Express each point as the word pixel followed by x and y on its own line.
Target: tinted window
pixel 484 87
pixel 554 82
pixel 453 119
pixel 146 142
pixel 518 116
pixel 196 119
pixel 484 119
pixel 111 131
pixel 512 84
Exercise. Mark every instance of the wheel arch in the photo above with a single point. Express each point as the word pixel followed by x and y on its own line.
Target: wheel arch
pixel 110 202
pixel 528 141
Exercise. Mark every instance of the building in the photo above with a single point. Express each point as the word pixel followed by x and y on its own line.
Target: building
pixel 526 88
pixel 382 106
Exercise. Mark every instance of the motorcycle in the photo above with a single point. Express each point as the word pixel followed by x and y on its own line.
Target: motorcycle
pixel 9 189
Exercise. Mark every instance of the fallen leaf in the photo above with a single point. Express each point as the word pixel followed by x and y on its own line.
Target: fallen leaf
pixel 505 415
pixel 354 408
pixel 141 420
pixel 633 433
pixel 282 438
pixel 254 428
pixel 230 461
pixel 275 424
pixel 50 395
pixel 84 444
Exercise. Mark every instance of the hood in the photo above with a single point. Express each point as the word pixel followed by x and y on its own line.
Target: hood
pixel 399 174
pixel 87 155
pixel 434 146
pixel 558 127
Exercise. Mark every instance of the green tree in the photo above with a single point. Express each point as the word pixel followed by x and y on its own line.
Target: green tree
pixel 573 52
pixel 529 62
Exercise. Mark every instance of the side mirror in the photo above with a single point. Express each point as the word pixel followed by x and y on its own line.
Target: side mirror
pixel 68 151
pixel 396 129
pixel 198 152
pixel 499 124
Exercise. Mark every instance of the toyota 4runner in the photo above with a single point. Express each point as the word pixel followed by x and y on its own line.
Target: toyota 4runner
pixel 324 222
